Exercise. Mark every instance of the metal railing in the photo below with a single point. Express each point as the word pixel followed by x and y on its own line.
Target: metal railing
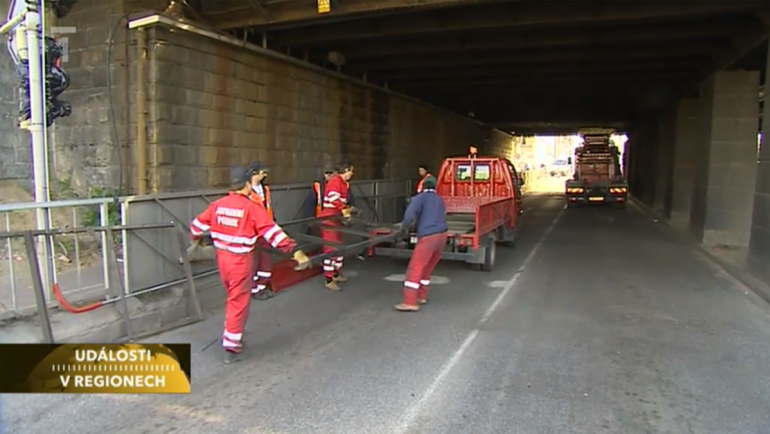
pixel 76 261
pixel 118 294
pixel 148 259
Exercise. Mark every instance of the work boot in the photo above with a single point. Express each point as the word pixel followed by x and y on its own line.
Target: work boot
pixel 263 295
pixel 422 295
pixel 403 307
pixel 339 278
pixel 410 303
pixel 331 285
pixel 232 357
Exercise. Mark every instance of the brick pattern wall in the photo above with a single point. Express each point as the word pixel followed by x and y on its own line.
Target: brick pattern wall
pixel 216 105
pixel 212 105
pixel 83 150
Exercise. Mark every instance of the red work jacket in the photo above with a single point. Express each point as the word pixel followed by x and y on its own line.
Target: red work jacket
pixel 235 223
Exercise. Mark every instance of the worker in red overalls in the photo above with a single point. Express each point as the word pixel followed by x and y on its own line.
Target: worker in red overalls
pixel 235 223
pixel 424 174
pixel 260 194
pixel 428 211
pixel 335 205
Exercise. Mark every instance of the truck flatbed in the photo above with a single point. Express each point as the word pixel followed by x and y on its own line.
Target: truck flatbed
pixel 459 224
pixel 482 203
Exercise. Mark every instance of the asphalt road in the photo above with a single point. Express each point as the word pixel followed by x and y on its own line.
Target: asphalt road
pixel 594 323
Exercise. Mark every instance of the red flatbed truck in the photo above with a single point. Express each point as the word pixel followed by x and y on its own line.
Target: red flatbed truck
pixel 483 208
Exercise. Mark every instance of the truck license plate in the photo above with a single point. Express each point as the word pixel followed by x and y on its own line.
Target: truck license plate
pixel 413 240
pixel 596 199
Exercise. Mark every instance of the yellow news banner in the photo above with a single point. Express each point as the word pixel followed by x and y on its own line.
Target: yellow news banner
pixel 95 368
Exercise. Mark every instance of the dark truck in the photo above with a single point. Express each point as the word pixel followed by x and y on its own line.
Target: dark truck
pixel 483 208
pixel 598 177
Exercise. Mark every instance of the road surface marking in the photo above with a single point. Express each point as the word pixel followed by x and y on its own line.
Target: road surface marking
pixel 408 418
pixel 414 410
pixel 434 280
pixel 512 282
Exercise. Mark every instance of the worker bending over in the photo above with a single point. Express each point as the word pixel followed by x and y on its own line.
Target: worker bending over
pixel 235 223
pixel 335 209
pixel 428 211
pixel 263 261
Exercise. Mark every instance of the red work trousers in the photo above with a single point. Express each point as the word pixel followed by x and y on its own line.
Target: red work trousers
pixel 236 271
pixel 263 266
pixel 426 255
pixel 333 265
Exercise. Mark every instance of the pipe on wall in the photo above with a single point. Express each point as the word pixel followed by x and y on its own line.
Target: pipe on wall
pixel 141 112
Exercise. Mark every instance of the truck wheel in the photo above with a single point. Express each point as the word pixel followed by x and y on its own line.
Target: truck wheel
pixel 501 235
pixel 489 256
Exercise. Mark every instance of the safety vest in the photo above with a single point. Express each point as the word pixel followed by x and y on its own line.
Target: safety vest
pixel 318 198
pixel 419 185
pixel 266 202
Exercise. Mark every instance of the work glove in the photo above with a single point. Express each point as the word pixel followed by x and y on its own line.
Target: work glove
pixel 402 233
pixel 353 210
pixel 303 262
pixel 346 212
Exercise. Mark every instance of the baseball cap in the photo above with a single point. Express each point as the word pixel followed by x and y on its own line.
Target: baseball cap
pixel 256 167
pixel 239 175
pixel 430 182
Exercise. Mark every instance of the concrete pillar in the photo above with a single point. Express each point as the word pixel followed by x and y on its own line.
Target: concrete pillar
pixel 664 155
pixel 726 164
pixel 646 148
pixel 686 139
pixel 759 247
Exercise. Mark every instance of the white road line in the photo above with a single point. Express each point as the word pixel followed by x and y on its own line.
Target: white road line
pixel 512 282
pixel 414 410
pixel 408 418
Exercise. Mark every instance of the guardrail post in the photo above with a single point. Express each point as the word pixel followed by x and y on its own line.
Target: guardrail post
pixel 193 295
pixel 37 285
pixel 111 258
pixel 104 218
pixel 125 247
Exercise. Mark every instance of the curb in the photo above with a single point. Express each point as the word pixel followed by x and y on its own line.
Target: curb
pixel 758 291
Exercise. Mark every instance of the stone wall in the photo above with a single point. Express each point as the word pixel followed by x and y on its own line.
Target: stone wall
pixel 214 105
pixel 15 152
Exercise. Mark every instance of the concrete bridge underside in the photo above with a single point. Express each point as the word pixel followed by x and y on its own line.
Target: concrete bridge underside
pixel 415 81
pixel 600 320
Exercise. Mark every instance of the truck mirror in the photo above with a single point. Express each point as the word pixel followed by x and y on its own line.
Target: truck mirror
pixel 569 160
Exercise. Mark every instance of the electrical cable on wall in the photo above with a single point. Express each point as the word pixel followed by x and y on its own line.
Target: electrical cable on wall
pixel 111 98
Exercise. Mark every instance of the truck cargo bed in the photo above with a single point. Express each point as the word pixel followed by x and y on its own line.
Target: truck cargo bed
pixel 459 224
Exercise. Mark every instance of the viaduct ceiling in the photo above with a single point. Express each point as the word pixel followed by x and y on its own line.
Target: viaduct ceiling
pixel 516 64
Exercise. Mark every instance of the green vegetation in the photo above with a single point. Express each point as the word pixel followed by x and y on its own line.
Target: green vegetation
pixel 90 216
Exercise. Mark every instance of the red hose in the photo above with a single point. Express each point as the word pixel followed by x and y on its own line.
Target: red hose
pixel 70 308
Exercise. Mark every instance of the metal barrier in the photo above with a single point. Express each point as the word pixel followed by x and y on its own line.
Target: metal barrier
pixel 76 260
pixel 118 294
pixel 152 262
pixel 149 260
